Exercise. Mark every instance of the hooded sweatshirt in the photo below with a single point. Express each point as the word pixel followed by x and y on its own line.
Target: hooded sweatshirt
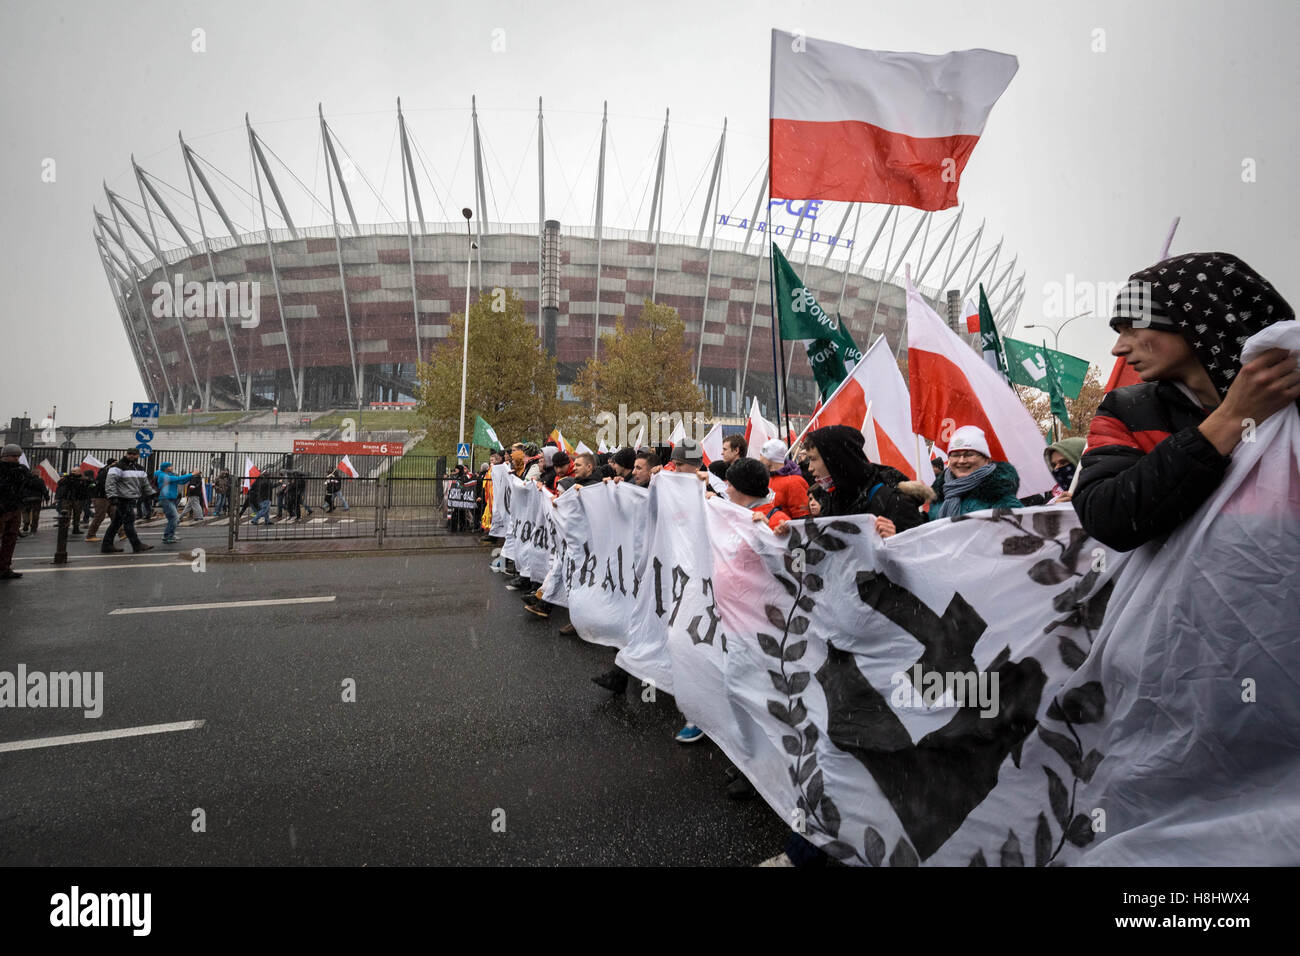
pixel 860 486
pixel 790 489
pixel 169 485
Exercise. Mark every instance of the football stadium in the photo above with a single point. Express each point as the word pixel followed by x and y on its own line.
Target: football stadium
pixel 240 286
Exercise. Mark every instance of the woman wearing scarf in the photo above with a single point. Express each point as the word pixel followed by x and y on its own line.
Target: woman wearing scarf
pixel 1156 451
pixel 848 483
pixel 973 481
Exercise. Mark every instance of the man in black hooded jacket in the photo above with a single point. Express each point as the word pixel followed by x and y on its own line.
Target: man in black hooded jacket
pixel 848 483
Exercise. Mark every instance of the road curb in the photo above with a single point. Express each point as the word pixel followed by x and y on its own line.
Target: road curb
pixel 229 557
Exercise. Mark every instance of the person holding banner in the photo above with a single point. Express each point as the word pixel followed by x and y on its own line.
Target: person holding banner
pixel 1157 451
pixel 973 481
pixel 848 483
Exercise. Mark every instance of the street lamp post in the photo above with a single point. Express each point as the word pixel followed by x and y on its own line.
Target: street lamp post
pixel 464 356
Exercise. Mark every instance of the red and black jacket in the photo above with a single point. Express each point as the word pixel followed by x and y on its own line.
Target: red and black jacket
pixel 1147 468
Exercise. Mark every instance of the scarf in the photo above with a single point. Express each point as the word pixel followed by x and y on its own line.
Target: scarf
pixel 954 488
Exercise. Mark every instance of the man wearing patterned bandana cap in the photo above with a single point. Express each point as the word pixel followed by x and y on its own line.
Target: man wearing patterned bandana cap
pixel 1156 451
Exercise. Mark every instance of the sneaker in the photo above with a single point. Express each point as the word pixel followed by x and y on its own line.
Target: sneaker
pixel 143 547
pixel 10 575
pixel 539 609
pixel 95 538
pixel 689 734
pixel 613 680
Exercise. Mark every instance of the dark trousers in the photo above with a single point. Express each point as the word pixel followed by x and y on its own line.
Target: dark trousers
pixel 73 508
pixel 31 516
pixel 9 523
pixel 123 520
pixel 103 508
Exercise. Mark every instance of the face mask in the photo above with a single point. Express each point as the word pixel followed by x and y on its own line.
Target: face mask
pixel 1064 475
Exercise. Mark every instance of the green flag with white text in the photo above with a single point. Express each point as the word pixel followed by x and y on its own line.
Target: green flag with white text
pixel 485 435
pixel 989 344
pixel 831 349
pixel 1027 365
pixel 1057 395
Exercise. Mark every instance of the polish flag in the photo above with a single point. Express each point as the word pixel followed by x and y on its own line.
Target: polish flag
pixel 602 448
pixel 583 449
pixel 251 471
pixel 875 385
pixel 679 432
pixel 1122 374
pixel 952 386
pixel 640 437
pixel 972 318
pixel 345 466
pixel 48 475
pixel 711 444
pixel 758 430
pixel 873 126
pixel 93 463
pixel 557 436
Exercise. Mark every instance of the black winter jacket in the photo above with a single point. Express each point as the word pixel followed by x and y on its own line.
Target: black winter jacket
pixel 888 494
pixel 1147 467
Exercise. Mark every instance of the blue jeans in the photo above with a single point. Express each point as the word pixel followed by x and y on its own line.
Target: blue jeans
pixel 220 504
pixel 169 509
pixel 263 512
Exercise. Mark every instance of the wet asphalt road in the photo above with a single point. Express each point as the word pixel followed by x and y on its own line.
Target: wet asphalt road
pixel 466 706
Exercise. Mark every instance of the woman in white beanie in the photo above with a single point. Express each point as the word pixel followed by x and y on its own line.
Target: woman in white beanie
pixel 973 481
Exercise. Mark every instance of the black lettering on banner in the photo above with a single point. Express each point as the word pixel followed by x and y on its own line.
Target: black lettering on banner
pixel 587 576
pixel 711 610
pixel 680 578
pixel 621 588
pixel 659 588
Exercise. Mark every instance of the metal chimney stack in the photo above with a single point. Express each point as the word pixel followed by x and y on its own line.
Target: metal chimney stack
pixel 550 283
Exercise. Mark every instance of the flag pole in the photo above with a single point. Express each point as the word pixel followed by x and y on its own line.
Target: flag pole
pixel 778 350
pixel 1169 239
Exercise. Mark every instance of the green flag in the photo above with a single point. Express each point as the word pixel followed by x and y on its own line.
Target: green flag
pixel 485 435
pixel 802 319
pixel 989 343
pixel 1057 395
pixel 1027 365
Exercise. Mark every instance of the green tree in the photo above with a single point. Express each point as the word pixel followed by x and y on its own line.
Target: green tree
pixel 510 380
pixel 648 367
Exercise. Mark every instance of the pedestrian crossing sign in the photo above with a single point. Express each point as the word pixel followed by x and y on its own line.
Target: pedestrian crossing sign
pixel 462 450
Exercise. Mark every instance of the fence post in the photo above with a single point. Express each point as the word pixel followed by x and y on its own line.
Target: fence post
pixel 383 498
pixel 236 486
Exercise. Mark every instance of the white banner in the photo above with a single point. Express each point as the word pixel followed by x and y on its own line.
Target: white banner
pixel 530 526
pixel 500 520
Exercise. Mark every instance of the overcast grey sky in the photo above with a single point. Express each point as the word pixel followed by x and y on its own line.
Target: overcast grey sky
pixel 1084 162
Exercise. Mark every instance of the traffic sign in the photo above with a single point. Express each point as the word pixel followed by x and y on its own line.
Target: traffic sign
pixel 144 435
pixel 144 413
pixel 145 449
pixel 462 450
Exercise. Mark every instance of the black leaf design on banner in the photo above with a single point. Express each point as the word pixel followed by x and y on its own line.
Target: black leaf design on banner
pixel 903 855
pixel 1058 797
pixel 873 845
pixel 1042 842
pixel 1021 544
pixel 1011 855
pixel 1080 831
pixel 978 859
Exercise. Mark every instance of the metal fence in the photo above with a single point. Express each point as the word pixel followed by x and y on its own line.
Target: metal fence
pixel 304 505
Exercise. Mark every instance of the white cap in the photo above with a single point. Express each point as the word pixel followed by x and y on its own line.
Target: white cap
pixel 969 438
pixel 773 450
pixel 548 453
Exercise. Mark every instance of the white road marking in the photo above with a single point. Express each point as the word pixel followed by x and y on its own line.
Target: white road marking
pixel 316 521
pixel 222 604
pixel 38 742
pixel 107 567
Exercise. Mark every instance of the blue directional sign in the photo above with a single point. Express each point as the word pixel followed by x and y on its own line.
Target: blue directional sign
pixel 145 449
pixel 462 450
pixel 144 435
pixel 144 414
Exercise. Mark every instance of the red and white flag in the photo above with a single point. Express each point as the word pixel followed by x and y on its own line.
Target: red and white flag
pixel 583 449
pixel 251 471
pixel 758 430
pixel 711 444
pixel 93 463
pixel 679 432
pixel 602 448
pixel 972 318
pixel 952 386
pixel 875 126
pixel 48 474
pixel 875 381
pixel 345 466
